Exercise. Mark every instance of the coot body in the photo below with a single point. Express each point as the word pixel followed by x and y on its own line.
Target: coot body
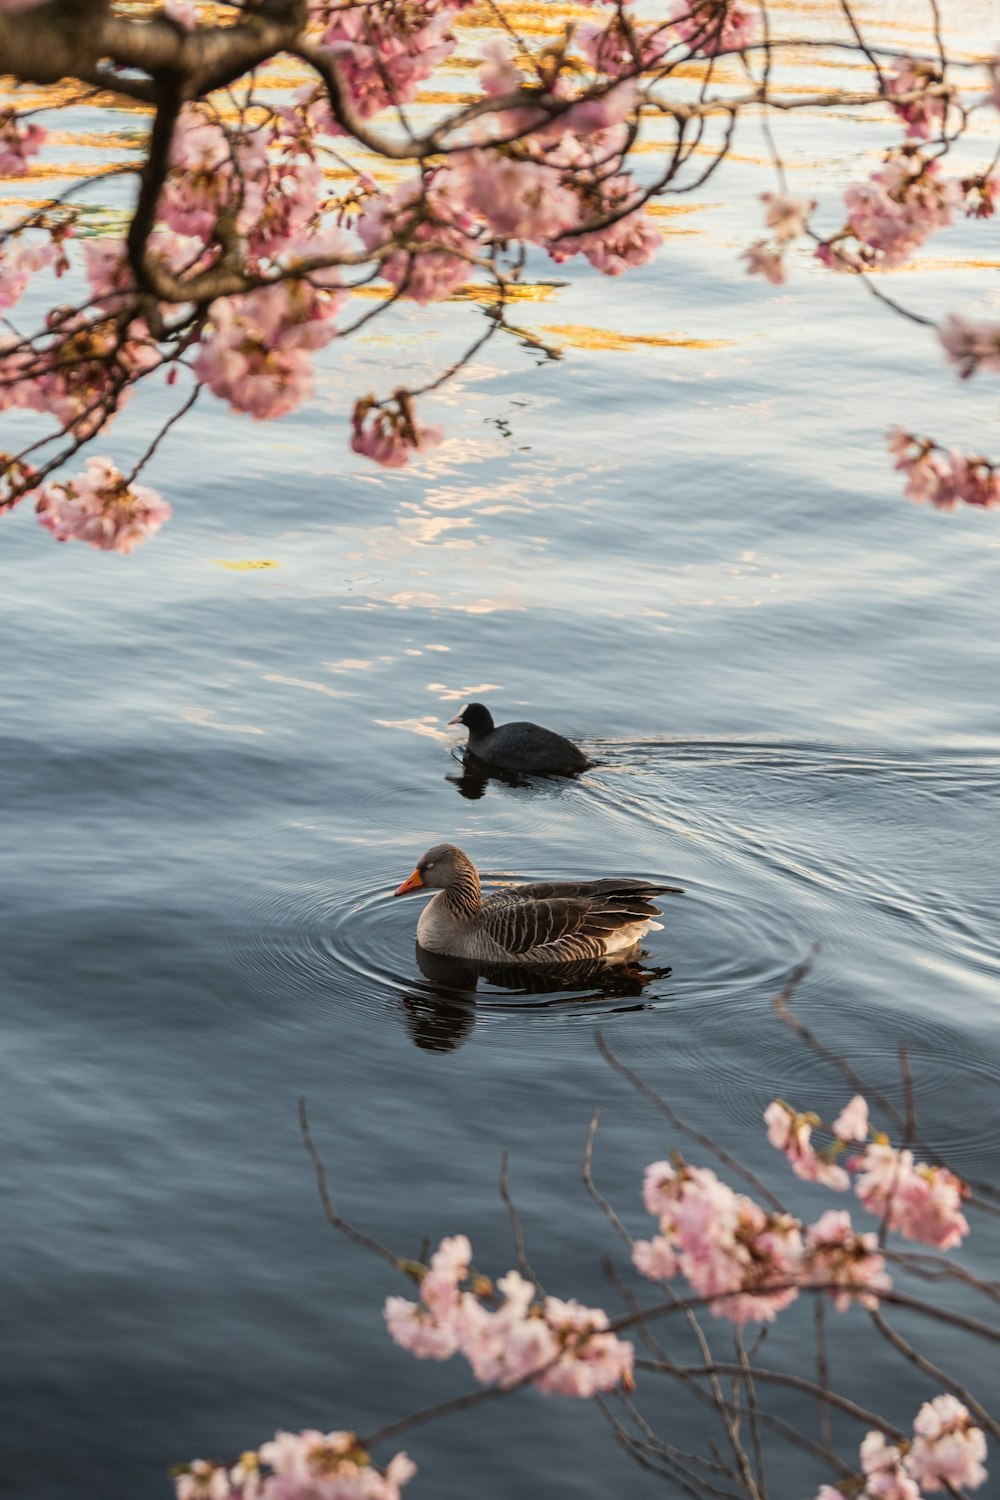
pixel 520 746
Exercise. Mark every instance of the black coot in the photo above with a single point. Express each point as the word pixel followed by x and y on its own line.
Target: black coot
pixel 519 747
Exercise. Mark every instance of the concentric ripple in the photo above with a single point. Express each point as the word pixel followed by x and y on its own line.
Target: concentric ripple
pixel 777 847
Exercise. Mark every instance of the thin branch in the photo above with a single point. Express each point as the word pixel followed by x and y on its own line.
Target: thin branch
pixel 935 1372
pixel 181 411
pixel 822 1375
pixel 523 1264
pixel 332 1215
pixel 678 1124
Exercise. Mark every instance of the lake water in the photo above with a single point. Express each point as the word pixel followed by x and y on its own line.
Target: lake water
pixel 683 545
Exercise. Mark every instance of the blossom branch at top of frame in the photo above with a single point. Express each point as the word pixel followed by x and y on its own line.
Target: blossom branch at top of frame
pixel 238 265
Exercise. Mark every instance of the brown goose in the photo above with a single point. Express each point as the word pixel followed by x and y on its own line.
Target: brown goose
pixel 521 746
pixel 552 922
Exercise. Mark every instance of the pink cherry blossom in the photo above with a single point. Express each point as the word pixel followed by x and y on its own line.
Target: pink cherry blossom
pixel 291 204
pixel 852 1122
pixel 17 143
pixel 948 1450
pixel 659 1188
pixel 790 1132
pixel 946 480
pixel 81 375
pixel 384 50
pixel 762 260
pixel 591 1360
pixel 212 175
pixel 970 346
pixel 619 52
pixel 920 1201
pixel 418 1330
pixel 255 348
pixel 312 1465
pixel 629 240
pixel 980 195
pixel 713 26
pixel 723 1243
pixel 389 432
pixel 655 1258
pixel 924 115
pixel 202 1480
pixel 885 1475
pixel 506 1334
pixel 834 1253
pixel 18 263
pixel 519 198
pixel 418 214
pixel 785 216
pixel 101 507
pixel 899 206
pixel 827 1492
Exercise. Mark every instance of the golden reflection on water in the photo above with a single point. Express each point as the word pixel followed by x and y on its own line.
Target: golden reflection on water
pixel 537 291
pixel 426 726
pixel 581 337
pixel 467 694
pixel 247 564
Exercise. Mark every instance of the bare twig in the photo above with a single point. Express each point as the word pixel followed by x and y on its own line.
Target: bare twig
pixel 523 1264
pixel 352 1233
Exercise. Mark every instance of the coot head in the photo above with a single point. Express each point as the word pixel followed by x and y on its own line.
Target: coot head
pixel 476 717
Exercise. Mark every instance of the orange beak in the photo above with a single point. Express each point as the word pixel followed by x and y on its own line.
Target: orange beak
pixel 412 884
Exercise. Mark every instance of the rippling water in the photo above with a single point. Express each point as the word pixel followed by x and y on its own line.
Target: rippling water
pixel 682 545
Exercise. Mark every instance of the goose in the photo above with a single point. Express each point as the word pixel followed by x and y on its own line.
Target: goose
pixel 520 746
pixel 548 923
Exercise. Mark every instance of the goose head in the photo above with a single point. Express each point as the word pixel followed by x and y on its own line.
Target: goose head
pixel 476 717
pixel 441 867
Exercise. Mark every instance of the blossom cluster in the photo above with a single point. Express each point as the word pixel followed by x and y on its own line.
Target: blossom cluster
pixel 970 346
pixel 102 507
pixel 919 1201
pixel 786 218
pixel 914 89
pixel 749 1261
pixel 894 212
pixel 307 1465
pixel 507 1333
pixel 541 159
pixel 944 479
pixel 945 1453
pixel 711 27
pixel 17 143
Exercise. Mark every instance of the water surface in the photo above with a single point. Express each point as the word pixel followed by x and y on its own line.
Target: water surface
pixel 689 554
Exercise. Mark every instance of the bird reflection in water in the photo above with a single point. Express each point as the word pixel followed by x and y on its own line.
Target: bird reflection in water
pixel 475 776
pixel 440 1015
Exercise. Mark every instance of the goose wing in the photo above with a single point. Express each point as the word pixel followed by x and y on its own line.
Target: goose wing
pixel 610 888
pixel 561 919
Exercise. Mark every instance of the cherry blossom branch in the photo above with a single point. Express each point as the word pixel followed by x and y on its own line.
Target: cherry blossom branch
pixel 523 1263
pixel 334 1218
pixel 780 1005
pixel 678 1124
pixel 178 415
pixel 792 1382
pixel 927 1367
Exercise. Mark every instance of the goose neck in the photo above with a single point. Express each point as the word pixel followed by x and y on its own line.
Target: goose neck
pixel 462 895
